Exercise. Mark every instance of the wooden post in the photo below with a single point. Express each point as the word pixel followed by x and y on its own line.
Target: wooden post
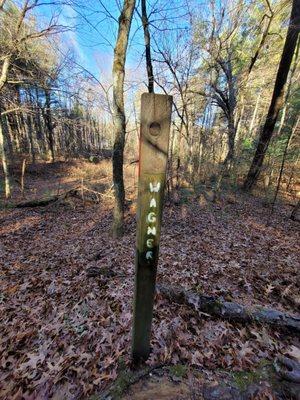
pixel 154 144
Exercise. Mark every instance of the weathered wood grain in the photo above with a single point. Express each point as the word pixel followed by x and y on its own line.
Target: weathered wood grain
pixel 154 143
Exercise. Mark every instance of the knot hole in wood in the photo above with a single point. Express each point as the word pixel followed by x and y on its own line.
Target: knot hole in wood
pixel 154 129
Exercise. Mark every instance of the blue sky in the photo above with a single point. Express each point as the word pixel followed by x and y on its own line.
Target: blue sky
pixel 92 33
pixel 93 28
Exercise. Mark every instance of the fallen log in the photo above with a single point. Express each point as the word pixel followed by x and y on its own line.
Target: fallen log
pixel 38 202
pixel 288 369
pixel 231 311
pixel 75 192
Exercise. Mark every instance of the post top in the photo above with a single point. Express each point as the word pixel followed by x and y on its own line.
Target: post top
pixel 146 94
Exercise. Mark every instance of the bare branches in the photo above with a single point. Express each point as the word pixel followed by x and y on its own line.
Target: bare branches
pixel 263 37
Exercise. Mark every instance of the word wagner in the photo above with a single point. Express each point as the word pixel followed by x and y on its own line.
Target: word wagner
pixel 152 220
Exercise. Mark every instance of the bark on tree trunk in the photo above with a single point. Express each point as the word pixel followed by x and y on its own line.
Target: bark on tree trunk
pixel 147 47
pixel 253 119
pixel 119 114
pixel 178 163
pixel 231 141
pixel 3 139
pixel 48 122
pixel 292 132
pixel 5 158
pixel 277 98
pixel 30 137
pixel 38 125
pixel 288 90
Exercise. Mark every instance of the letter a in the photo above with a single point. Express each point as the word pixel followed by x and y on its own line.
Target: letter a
pixel 153 203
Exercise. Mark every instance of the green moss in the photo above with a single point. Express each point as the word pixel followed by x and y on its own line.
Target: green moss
pixel 242 379
pixel 179 370
pixel 123 381
pixel 213 307
pixel 6 205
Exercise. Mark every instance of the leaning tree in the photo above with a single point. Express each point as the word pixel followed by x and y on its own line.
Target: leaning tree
pixel 277 97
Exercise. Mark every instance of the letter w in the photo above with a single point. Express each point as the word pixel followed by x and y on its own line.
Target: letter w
pixel 154 188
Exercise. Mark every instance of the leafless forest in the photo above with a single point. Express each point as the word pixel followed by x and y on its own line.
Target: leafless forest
pixel 74 157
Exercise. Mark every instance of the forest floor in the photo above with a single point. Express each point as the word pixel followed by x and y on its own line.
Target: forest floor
pixel 65 335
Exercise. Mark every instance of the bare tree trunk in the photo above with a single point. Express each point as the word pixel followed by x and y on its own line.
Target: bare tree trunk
pixel 22 176
pixel 42 143
pixel 119 120
pixel 239 123
pixel 48 123
pixel 3 139
pixel 228 162
pixel 5 158
pixel 288 91
pixel 277 98
pixel 30 137
pixel 4 71
pixel 147 47
pixel 253 119
pixel 263 39
pixel 178 163
pixel 293 131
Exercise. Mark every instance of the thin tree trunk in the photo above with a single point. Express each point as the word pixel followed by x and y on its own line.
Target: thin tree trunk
pixel 178 164
pixel 262 41
pixel 42 145
pixel 277 98
pixel 9 135
pixel 48 122
pixel 147 47
pixel 253 119
pixel 170 164
pixel 4 71
pixel 239 124
pixel 30 136
pixel 22 176
pixel 228 162
pixel 5 158
pixel 288 91
pixel 3 139
pixel 292 132
pixel 119 120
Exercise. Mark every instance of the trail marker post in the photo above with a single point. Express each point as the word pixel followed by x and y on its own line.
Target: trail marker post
pixel 154 143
